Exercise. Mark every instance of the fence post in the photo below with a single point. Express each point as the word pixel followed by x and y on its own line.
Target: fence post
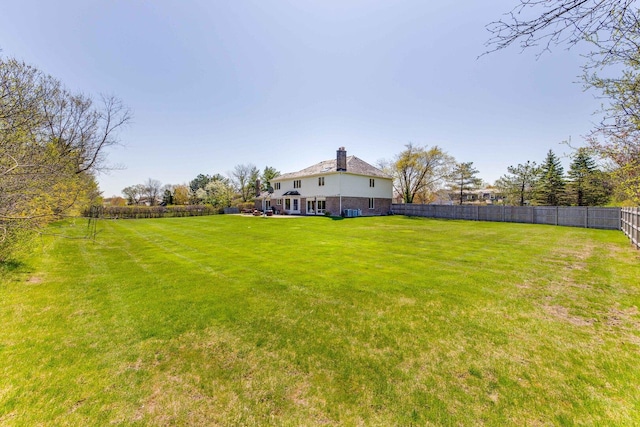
pixel 533 215
pixel 586 217
pixel 630 224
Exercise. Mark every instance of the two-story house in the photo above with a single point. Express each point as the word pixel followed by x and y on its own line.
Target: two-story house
pixel 344 184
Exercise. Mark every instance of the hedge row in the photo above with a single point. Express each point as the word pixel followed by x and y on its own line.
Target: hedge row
pixel 134 212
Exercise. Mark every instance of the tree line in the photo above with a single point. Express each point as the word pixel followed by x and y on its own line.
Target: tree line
pixel 585 184
pixel 238 188
pixel 430 175
pixel 420 175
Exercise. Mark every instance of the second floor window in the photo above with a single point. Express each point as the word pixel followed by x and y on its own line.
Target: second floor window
pixel 297 183
pixel 372 182
pixel 276 185
pixel 321 181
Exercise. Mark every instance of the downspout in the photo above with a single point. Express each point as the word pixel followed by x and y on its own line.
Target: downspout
pixel 340 191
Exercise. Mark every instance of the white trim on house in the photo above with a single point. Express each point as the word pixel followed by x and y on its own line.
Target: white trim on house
pixel 316 205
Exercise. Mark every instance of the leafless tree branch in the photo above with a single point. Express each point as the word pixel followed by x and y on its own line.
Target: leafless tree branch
pixel 51 143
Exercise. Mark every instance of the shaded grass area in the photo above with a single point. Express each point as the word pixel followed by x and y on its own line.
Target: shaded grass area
pixel 230 320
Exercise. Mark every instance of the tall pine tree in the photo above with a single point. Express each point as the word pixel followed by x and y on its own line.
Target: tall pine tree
pixel 551 184
pixel 463 179
pixel 588 185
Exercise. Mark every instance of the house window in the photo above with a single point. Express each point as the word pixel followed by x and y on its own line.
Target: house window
pixel 320 181
pixel 322 206
pixel 372 203
pixel 372 182
pixel 276 186
pixel 297 183
pixel 279 202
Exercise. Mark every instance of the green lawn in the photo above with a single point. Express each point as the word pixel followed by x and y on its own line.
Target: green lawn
pixel 229 320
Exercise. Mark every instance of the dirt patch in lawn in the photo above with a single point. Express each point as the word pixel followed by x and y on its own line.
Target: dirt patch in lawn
pixel 562 313
pixel 34 280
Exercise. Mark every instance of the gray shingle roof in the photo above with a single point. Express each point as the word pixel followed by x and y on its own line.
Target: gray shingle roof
pixel 354 165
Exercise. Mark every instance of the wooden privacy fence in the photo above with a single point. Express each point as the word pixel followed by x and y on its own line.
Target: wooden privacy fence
pixel 572 216
pixel 630 221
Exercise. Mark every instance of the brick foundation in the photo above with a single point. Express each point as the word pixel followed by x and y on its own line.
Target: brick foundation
pixel 381 206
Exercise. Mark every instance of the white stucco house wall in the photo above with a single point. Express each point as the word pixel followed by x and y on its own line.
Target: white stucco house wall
pixel 342 185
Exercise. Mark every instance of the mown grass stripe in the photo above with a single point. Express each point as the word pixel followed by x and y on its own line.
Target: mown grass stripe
pixel 234 320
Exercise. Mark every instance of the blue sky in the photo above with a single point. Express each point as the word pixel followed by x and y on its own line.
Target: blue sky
pixel 213 84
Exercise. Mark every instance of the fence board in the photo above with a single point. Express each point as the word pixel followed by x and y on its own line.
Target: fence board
pixel 549 215
pixel 630 220
pixel 572 216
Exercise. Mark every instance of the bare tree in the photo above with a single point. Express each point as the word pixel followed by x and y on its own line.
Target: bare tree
pixel 134 193
pixel 244 177
pixel 152 191
pixel 68 124
pixel 51 143
pixel 544 24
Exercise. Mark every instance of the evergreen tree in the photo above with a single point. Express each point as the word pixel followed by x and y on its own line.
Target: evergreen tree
pixel 199 182
pixel 550 188
pixel 518 185
pixel 267 175
pixel 463 179
pixel 587 184
pixel 167 198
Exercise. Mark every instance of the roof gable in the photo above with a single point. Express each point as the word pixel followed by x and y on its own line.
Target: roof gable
pixel 355 165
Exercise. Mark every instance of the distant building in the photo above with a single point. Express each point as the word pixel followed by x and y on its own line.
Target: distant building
pixel 345 185
pixel 487 196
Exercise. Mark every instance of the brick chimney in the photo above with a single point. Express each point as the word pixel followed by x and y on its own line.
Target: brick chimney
pixel 257 188
pixel 341 160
